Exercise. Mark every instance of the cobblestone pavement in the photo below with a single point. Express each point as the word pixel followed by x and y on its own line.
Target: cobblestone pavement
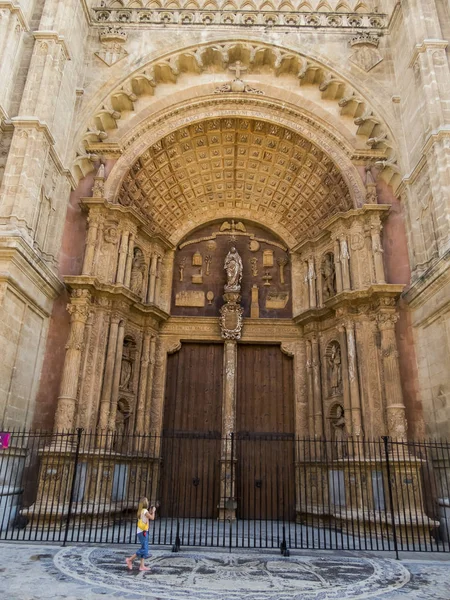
pixel 35 572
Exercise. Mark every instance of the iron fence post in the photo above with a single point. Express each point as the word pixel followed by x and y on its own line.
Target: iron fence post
pixel 385 439
pixel 72 489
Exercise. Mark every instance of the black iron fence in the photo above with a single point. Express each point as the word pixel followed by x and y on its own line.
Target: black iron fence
pixel 247 490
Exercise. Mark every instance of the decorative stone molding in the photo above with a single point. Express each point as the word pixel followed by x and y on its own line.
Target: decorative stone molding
pixel 218 55
pixel 263 16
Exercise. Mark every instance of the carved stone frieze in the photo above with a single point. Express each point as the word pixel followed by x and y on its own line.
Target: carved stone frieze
pixel 260 14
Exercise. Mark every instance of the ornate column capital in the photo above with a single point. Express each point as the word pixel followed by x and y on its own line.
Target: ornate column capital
pixel 387 321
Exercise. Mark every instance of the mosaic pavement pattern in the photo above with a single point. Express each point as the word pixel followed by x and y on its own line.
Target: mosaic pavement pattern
pixel 90 573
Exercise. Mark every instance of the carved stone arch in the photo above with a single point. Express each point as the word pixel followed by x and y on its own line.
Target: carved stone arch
pixel 350 96
pixel 152 132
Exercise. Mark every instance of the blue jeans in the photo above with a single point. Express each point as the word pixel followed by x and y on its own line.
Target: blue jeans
pixel 143 540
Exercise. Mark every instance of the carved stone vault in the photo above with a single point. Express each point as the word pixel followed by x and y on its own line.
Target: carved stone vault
pixel 234 163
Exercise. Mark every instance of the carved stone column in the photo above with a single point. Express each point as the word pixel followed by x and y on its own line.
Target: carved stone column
pixel 319 282
pixel 92 375
pixel 337 266
pixel 312 282
pixel 116 376
pixel 377 249
pixel 318 412
pixel 309 387
pixel 227 505
pixel 152 279
pixel 109 372
pixel 345 381
pixel 344 259
pixel 143 380
pixel 129 261
pixel 164 347
pixel 123 254
pixel 395 407
pixel 229 388
pixel 355 398
pixel 79 309
pixel 91 242
pixel 150 379
pixel 158 280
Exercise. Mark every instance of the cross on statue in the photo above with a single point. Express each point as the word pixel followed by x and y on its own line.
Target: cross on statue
pixel 238 68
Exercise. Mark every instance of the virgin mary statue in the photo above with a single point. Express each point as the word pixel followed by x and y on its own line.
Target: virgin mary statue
pixel 233 267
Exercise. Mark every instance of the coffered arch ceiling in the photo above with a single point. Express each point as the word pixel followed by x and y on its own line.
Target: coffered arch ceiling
pixel 140 90
pixel 235 166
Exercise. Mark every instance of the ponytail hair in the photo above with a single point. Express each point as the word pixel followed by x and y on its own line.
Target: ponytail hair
pixel 143 503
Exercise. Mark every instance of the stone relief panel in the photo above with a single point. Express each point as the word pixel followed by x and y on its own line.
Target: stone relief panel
pixel 199 275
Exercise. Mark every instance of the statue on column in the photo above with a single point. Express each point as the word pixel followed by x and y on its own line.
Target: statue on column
pixel 233 267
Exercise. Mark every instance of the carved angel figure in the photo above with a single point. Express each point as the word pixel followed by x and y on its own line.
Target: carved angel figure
pixel 233 267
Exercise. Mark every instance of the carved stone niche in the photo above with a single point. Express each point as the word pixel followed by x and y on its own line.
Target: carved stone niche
pixel 138 269
pixel 122 426
pixel 127 370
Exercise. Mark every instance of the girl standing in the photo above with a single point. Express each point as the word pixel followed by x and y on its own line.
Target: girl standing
pixel 144 517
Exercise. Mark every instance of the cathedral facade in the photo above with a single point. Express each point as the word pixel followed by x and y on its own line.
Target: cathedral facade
pixel 222 216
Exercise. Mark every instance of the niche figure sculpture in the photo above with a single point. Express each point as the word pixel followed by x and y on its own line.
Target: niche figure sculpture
pixel 335 369
pixel 137 272
pixel 339 433
pixel 328 277
pixel 233 267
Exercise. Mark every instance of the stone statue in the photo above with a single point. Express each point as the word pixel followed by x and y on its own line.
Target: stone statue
pixel 137 272
pixel 328 277
pixel 233 267
pixel 125 374
pixel 339 433
pixel 335 369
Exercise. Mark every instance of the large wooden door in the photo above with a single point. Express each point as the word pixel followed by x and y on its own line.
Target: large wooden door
pixel 264 433
pixel 191 431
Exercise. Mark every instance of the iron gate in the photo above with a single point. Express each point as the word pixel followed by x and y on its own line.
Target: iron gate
pixel 244 491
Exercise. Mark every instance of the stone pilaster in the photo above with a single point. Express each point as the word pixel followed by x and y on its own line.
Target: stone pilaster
pixel 317 387
pixel 395 407
pixel 312 277
pixel 377 250
pixel 344 258
pixel 150 379
pixel 129 261
pixel 109 372
pixel 79 309
pixel 309 387
pixel 152 279
pixel 337 265
pixel 123 255
pixel 164 293
pixel 355 397
pixel 116 376
pixel 91 244
pixel 158 280
pixel 345 380
pixel 143 380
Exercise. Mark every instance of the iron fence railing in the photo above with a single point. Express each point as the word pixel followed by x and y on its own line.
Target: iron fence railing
pixel 247 490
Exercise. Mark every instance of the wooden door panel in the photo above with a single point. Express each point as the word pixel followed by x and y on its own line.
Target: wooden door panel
pixel 191 432
pixel 265 433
